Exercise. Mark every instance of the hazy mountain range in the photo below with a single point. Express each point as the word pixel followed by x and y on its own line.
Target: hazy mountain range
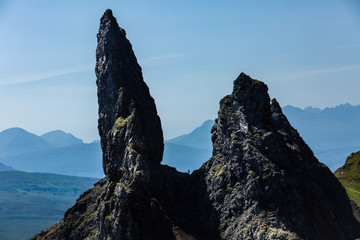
pixel 16 141
pixel 332 133
pixel 189 151
pixel 54 152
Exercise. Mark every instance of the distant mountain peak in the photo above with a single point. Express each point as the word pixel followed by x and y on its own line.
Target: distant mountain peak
pixel 312 109
pixel 208 122
pixel 199 138
pixel 56 131
pixel 14 141
pixel 15 130
pixel 59 138
pixel 345 105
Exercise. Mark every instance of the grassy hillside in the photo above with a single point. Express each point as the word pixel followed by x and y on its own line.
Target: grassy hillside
pixel 30 202
pixel 349 176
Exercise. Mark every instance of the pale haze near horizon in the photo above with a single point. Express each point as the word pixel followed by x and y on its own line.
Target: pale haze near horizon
pixel 307 52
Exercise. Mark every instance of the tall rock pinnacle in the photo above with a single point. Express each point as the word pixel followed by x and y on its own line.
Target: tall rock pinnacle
pixel 262 182
pixel 128 121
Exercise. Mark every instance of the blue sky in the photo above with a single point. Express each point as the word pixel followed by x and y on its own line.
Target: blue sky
pixel 307 52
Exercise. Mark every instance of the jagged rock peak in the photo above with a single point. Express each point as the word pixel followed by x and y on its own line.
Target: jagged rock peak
pixel 109 21
pixel 275 106
pixel 244 85
pixel 263 181
pixel 129 127
pixel 251 96
pixel 108 12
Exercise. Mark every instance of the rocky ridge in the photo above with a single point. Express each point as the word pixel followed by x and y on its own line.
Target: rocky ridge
pixel 262 182
pixel 265 178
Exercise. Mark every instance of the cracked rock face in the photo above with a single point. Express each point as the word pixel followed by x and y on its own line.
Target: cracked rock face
pixel 129 126
pixel 262 182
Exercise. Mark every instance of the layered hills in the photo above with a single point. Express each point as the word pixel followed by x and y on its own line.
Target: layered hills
pixel 262 181
pixel 54 152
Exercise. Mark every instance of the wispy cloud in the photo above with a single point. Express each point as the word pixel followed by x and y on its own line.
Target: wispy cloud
pixel 272 25
pixel 319 72
pixel 157 59
pixel 290 25
pixel 18 79
pixel 344 46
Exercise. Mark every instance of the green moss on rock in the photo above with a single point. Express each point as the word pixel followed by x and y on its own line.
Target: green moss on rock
pixel 121 122
pixel 224 103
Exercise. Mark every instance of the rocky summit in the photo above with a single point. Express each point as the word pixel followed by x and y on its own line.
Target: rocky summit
pixel 262 182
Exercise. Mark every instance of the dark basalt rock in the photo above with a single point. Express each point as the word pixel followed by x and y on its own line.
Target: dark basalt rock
pixel 120 206
pixel 262 182
pixel 127 112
